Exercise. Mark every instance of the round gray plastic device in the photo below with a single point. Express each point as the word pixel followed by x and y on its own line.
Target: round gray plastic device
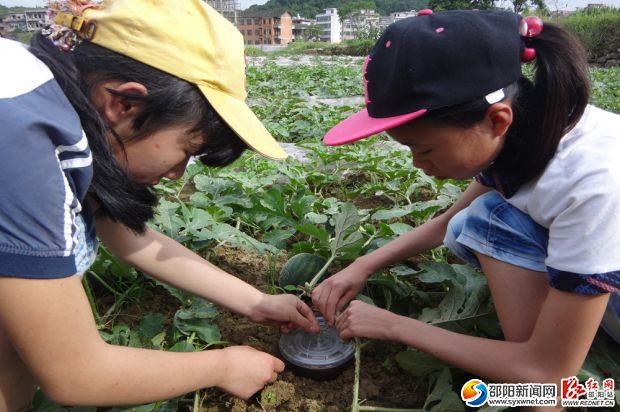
pixel 320 355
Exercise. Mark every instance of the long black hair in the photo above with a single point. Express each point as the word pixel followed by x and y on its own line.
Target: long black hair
pixel 545 108
pixel 170 101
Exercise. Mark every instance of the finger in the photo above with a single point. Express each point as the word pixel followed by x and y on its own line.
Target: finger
pixel 274 377
pixel 346 335
pixel 343 302
pixel 278 365
pixel 340 321
pixel 330 306
pixel 306 317
pixel 317 297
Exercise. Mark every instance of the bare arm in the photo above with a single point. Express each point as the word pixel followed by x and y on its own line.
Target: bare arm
pixel 338 290
pixel 50 324
pixel 557 348
pixel 421 238
pixel 172 263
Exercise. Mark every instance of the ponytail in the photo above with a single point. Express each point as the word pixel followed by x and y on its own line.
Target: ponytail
pixel 546 108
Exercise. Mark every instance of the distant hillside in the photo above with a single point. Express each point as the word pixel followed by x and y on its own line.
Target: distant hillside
pixel 310 8
pixel 17 9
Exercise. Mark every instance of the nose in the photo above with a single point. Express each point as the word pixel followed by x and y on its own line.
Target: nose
pixel 420 164
pixel 177 171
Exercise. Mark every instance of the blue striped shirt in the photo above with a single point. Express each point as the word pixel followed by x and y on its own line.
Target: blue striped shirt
pixel 46 169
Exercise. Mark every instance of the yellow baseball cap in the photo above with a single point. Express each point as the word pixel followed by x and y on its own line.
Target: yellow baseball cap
pixel 190 40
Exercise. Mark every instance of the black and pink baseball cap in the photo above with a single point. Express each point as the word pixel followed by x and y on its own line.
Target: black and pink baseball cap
pixel 432 61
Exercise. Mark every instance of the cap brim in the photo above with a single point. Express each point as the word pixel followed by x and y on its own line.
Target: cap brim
pixel 244 122
pixel 361 125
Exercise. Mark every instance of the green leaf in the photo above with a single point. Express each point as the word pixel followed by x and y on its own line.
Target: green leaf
pixel 320 234
pixel 166 218
pixel 402 270
pixel 451 402
pixel 346 219
pixel 151 325
pixel 302 206
pixel 182 346
pixel 346 243
pixel 273 200
pixel 199 318
pixel 365 299
pixel 235 237
pixel 349 247
pixel 278 238
pixel 316 218
pixel 419 364
pixel 213 186
pixel 389 214
pixel 442 398
pixel 451 304
pixel 433 272
pixel 400 228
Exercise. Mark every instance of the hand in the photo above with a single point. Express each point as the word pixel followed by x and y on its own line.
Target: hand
pixel 336 291
pixel 286 311
pixel 247 370
pixel 364 320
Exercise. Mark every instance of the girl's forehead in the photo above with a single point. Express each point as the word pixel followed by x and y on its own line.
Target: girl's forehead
pixel 415 133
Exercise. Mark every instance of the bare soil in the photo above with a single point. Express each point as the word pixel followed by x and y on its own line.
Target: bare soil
pixel 382 382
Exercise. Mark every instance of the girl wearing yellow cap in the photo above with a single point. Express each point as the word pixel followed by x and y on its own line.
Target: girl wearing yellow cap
pixel 106 101
pixel 542 217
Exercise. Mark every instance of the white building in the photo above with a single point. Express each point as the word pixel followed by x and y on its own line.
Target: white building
pixel 399 15
pixel 25 21
pixel 359 22
pixel 227 8
pixel 300 27
pixel 330 22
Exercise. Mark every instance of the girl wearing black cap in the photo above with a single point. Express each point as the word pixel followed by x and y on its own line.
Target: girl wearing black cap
pixel 542 217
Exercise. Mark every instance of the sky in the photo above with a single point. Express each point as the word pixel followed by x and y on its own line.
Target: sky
pixel 553 4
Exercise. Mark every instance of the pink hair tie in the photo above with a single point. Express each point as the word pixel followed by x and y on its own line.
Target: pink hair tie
pixel 530 26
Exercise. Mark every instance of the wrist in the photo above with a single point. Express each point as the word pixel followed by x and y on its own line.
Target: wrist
pixel 402 328
pixel 217 362
pixel 256 311
pixel 366 266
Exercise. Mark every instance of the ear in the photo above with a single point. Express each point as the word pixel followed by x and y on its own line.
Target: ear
pixel 499 116
pixel 119 111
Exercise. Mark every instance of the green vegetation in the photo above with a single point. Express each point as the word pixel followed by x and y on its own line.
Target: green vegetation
pixel 606 88
pixel 346 48
pixel 310 8
pixel 598 29
pixel 336 203
pixel 23 36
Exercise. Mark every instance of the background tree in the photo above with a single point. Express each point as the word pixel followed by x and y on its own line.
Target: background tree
pixel 313 32
pixel 519 6
pixel 310 8
pixel 349 8
pixel 441 5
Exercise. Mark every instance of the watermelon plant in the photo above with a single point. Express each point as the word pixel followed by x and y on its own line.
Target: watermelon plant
pixel 332 204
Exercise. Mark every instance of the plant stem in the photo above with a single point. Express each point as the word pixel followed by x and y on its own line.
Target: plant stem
pixel 356 381
pixel 197 401
pixel 380 409
pixel 356 407
pixel 319 275
pixel 91 299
